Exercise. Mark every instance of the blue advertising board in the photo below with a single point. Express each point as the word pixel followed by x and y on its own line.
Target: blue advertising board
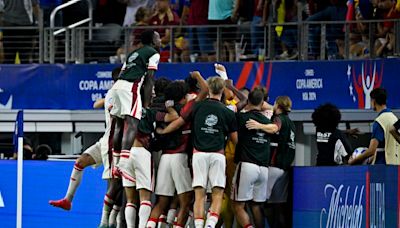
pixel 344 83
pixel 347 196
pixel 44 181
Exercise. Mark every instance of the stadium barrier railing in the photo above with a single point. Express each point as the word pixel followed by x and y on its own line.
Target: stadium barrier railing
pixel 111 43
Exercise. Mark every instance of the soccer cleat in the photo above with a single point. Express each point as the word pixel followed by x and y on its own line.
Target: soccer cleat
pixel 62 203
pixel 104 226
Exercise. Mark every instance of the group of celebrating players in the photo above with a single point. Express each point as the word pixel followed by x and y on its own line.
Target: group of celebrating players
pixel 216 142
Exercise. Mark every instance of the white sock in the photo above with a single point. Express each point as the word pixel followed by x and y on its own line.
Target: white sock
pixel 74 181
pixel 152 223
pixel 144 213
pixel 107 207
pixel 171 216
pixel 113 215
pixel 199 223
pixel 212 220
pixel 190 220
pixel 119 217
pixel 162 221
pixel 130 215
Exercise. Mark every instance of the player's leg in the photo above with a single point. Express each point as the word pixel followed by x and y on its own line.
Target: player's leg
pixel 89 157
pixel 165 190
pixel 172 210
pixel 110 199
pixel 217 178
pixel 258 214
pixel 131 206
pixel 183 185
pixel 200 197
pixel 143 166
pixel 200 172
pixel 112 223
pixel 129 183
pixel 129 134
pixel 241 215
pixel 117 140
pixel 185 200
pixel 162 205
pixel 217 196
pixel 259 196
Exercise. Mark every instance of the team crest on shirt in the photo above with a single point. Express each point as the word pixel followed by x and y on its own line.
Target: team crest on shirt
pixel 260 134
pixel 211 120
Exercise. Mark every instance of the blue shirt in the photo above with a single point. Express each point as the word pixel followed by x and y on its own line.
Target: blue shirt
pixel 379 134
pixel 220 9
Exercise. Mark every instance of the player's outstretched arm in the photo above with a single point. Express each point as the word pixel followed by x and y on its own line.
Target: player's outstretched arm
pixel 175 125
pixel 171 115
pixel 268 128
pixel 148 88
pixel 202 83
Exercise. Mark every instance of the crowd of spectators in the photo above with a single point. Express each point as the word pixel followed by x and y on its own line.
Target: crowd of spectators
pixel 243 34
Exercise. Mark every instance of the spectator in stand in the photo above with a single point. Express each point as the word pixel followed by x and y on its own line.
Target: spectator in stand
pixel 222 12
pixel 142 19
pixel 257 26
pixel 131 10
pixel 359 41
pixel 199 40
pixel 19 13
pixel 384 44
pixel 335 12
pixel 163 17
pixel 289 34
pixel 244 15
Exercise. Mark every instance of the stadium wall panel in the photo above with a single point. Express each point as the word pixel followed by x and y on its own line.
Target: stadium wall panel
pixel 74 87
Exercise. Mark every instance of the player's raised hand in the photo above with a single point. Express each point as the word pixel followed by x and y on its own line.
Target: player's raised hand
pixel 221 71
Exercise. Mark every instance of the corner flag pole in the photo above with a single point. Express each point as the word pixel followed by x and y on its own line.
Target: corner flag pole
pixel 19 143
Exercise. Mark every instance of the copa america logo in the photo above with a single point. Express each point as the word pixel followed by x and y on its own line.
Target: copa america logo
pixel 362 82
pixel 342 211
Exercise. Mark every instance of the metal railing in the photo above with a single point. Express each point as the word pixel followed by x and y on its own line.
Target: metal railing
pixel 289 41
pixel 49 53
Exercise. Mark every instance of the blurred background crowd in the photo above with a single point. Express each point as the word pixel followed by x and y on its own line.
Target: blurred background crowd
pixel 207 30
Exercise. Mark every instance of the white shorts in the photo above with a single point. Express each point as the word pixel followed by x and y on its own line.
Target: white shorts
pixel 99 153
pixel 209 167
pixel 126 99
pixel 173 174
pixel 137 169
pixel 250 183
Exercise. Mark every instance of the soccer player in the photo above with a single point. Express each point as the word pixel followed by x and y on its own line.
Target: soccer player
pixel 138 70
pixel 173 171
pixel 137 167
pixel 97 154
pixel 212 122
pixel 253 155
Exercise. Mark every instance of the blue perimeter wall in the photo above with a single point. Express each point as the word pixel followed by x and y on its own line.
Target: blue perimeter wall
pixel 345 83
